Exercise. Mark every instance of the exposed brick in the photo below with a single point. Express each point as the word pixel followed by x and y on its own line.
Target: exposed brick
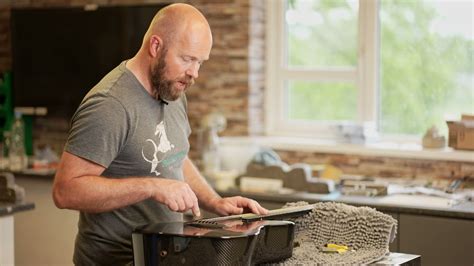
pixel 384 166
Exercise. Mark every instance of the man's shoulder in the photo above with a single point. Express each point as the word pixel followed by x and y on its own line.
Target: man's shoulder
pixel 112 81
pixel 118 85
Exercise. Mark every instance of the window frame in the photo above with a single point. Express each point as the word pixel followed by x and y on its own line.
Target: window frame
pixel 364 75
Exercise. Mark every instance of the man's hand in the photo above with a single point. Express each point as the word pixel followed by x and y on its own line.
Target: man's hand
pixel 236 205
pixel 177 195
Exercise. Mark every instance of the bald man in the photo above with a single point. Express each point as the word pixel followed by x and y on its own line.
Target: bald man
pixel 125 162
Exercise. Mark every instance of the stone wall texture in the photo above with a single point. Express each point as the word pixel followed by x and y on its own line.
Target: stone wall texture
pixel 231 82
pixel 384 166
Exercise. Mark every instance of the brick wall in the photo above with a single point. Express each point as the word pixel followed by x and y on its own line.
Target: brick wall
pixel 232 82
pixel 384 166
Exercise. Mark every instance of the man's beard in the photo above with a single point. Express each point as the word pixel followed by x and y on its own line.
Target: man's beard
pixel 162 87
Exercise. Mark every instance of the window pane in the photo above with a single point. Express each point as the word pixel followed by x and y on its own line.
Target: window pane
pixel 321 33
pixel 322 101
pixel 427 71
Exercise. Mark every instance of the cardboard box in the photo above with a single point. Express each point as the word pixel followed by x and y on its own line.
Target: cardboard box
pixel 461 133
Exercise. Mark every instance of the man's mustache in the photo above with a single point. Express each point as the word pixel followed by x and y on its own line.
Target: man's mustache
pixel 187 81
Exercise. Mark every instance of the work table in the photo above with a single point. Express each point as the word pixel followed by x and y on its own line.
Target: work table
pixel 427 225
pixel 409 204
pixel 7 208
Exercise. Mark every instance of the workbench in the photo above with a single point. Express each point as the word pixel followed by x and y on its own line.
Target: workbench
pixel 442 235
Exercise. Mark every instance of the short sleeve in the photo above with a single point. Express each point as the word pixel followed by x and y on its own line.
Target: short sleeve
pixel 99 130
pixel 187 125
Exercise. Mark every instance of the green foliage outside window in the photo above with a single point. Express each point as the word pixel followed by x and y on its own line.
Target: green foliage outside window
pixel 324 36
pixel 316 40
pixel 424 74
pixel 324 94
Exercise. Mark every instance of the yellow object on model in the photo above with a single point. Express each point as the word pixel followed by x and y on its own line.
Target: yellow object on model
pixel 333 248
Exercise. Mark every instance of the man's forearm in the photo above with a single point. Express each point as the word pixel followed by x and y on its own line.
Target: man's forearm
pixel 204 192
pixel 99 194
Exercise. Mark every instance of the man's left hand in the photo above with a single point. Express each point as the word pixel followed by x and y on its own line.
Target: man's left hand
pixel 237 205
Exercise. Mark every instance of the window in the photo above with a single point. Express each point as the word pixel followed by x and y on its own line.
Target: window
pixel 399 66
pixel 426 64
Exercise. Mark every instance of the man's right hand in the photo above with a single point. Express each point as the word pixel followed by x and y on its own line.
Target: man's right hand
pixel 78 185
pixel 177 195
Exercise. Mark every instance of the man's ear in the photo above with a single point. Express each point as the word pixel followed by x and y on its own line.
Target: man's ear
pixel 156 44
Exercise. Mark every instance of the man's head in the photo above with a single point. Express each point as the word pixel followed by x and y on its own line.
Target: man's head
pixel 178 41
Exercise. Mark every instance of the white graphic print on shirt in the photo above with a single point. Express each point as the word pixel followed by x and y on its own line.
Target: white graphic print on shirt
pixel 163 147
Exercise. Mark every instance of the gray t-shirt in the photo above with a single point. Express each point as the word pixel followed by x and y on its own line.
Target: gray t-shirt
pixel 121 127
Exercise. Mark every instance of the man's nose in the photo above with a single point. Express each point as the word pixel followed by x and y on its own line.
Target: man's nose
pixel 193 70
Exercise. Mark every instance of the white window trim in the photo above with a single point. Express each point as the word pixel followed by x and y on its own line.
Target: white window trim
pixel 382 149
pixel 363 76
pixel 368 60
